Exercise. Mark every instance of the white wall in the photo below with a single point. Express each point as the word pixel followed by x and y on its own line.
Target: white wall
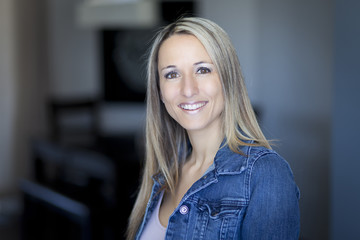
pixel 286 52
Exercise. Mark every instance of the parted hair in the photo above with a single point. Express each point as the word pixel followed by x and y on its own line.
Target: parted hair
pixel 166 141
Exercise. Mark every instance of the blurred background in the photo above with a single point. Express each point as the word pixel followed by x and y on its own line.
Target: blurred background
pixel 72 106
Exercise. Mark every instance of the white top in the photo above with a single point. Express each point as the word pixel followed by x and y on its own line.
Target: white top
pixel 153 229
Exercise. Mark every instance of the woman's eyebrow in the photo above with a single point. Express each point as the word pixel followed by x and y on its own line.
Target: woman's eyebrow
pixel 201 62
pixel 170 66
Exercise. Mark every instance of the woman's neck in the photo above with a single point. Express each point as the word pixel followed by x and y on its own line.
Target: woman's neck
pixel 205 144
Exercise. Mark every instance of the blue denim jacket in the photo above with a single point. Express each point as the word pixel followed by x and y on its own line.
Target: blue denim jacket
pixel 251 196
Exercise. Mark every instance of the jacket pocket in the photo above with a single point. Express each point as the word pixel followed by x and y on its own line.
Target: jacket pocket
pixel 219 219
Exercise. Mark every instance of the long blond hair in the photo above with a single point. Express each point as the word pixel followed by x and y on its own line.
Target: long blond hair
pixel 166 140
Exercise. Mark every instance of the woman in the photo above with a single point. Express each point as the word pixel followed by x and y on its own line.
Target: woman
pixel 209 173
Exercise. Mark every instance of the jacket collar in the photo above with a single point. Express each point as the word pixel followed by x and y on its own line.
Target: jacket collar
pixel 225 162
pixel 228 162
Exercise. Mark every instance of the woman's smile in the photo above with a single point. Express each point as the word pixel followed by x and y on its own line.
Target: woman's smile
pixel 192 107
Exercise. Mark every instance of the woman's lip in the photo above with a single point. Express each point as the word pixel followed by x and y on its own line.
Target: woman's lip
pixel 192 106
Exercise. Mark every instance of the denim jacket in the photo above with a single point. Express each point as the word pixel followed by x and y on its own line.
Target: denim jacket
pixel 251 196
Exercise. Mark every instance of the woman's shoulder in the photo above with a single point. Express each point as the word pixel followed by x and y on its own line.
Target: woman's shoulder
pixel 261 157
pixel 250 158
pixel 269 169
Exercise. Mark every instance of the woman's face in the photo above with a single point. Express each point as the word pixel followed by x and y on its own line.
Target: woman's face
pixel 189 83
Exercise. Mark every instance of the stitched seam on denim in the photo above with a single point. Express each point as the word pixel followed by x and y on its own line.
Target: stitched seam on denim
pixel 223 228
pixel 203 224
pixel 238 202
pixel 243 161
pixel 252 162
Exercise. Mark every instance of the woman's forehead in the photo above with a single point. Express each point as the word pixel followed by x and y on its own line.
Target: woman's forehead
pixel 179 48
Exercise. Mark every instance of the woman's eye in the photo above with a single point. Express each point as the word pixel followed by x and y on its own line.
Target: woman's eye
pixel 203 70
pixel 171 75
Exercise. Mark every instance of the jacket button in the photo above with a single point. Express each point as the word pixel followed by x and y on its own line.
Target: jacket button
pixel 184 209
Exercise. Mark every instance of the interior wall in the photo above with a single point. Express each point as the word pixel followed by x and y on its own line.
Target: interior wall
pixel 345 164
pixel 74 64
pixel 23 87
pixel 7 94
pixel 31 70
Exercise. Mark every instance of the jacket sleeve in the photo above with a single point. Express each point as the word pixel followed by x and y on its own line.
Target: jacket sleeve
pixel 273 210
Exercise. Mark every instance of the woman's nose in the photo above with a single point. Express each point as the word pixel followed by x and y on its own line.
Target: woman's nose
pixel 189 86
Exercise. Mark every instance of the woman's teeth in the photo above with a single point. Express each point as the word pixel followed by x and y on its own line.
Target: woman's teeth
pixel 192 106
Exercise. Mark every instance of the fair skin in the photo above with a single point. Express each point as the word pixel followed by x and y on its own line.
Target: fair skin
pixel 192 93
